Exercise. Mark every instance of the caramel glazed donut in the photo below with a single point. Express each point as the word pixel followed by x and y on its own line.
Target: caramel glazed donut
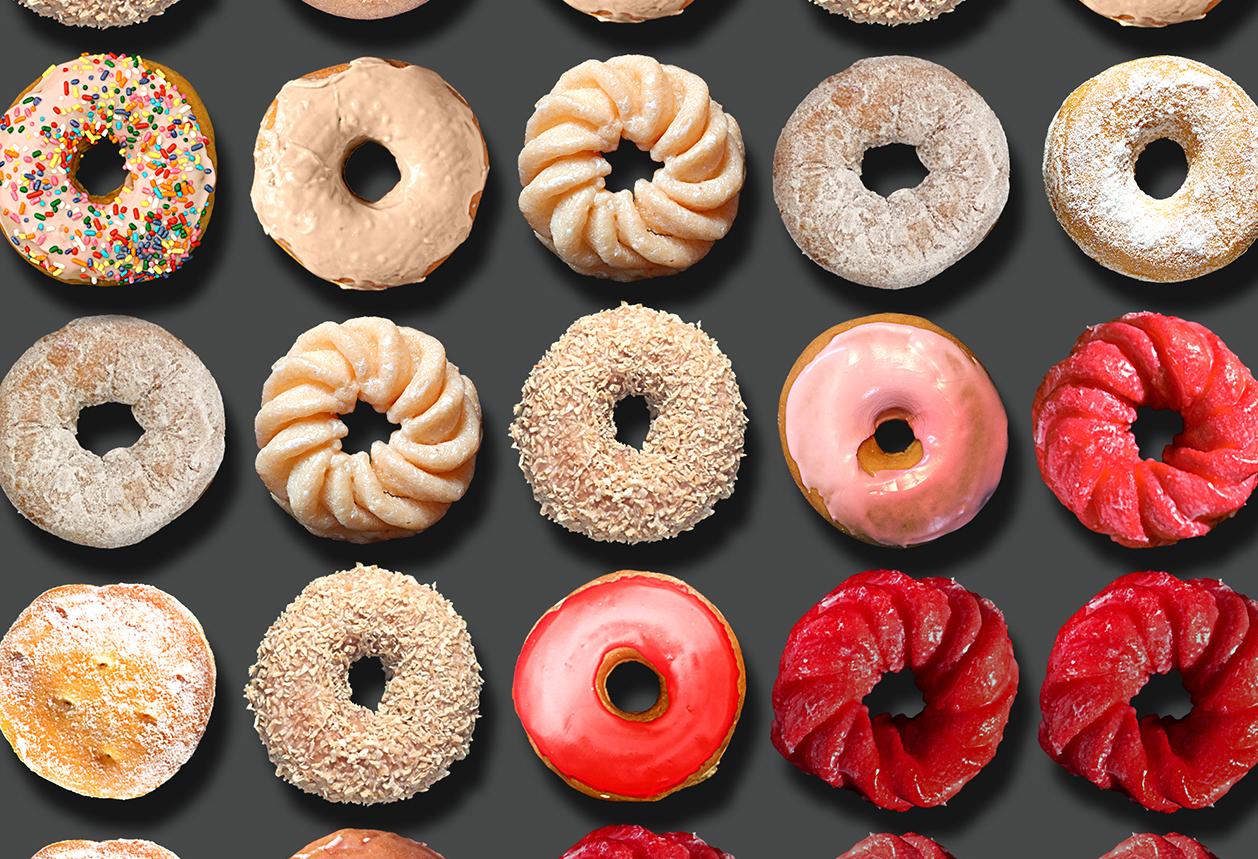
pixel 665 224
pixel 916 233
pixel 122 848
pixel 1098 136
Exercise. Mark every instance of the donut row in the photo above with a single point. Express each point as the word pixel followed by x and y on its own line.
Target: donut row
pixel 148 227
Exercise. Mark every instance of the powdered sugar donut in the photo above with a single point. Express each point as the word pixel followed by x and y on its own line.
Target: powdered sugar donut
pixel 889 12
pixel 1098 136
pixel 629 11
pixel 98 13
pixel 122 848
pixel 1151 13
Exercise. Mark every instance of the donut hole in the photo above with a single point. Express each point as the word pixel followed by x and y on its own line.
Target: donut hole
pixel 632 417
pixel 1155 430
pixel 896 695
pixel 366 427
pixel 629 164
pixel 890 168
pixel 371 171
pixel 630 687
pixel 1162 168
pixel 106 427
pixel 367 679
pixel 894 436
pixel 100 171
pixel 893 446
pixel 1163 696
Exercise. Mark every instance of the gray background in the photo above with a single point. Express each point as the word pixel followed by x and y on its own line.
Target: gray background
pixel 765 557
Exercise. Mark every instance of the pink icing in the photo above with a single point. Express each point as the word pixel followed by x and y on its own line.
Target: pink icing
pixel 878 370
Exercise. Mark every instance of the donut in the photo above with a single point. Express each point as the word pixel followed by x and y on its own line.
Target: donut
pixel 324 743
pixel 857 376
pixel 560 687
pixel 125 848
pixel 1083 413
pixel 909 846
pixel 365 10
pixel 105 691
pixel 914 234
pixel 889 12
pixel 402 486
pixel 629 11
pixel 1099 134
pixel 129 493
pixel 365 844
pixel 1151 13
pixel 879 622
pixel 666 223
pixel 1173 846
pixel 98 13
pixel 309 133
pixel 149 225
pixel 564 427
pixel 635 842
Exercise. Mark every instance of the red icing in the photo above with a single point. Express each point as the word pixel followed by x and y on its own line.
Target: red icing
pixel 634 842
pixel 909 846
pixel 1145 624
pixel 1172 846
pixel 680 635
pixel 1087 455
pixel 958 647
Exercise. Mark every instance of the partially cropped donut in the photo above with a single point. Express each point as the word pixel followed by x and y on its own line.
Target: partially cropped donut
pixel 636 842
pixel 889 12
pixel 365 844
pixel 98 13
pixel 365 10
pixel 122 848
pixel 1151 13
pixel 910 846
pixel 1173 846
pixel 629 11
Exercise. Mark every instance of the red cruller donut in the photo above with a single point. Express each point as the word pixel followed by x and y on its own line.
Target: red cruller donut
pixel 910 846
pixel 634 842
pixel 1082 419
pixel 1173 846
pixel 1145 624
pixel 957 646
pixel 560 687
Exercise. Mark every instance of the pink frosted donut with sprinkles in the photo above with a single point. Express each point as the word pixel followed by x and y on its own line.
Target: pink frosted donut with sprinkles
pixel 149 225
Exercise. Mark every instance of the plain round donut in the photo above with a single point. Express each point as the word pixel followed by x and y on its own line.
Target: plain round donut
pixel 564 427
pixel 402 486
pixel 666 223
pixel 324 743
pixel 629 11
pixel 127 494
pixel 561 696
pixel 309 133
pixel 365 844
pixel 914 234
pixel 118 848
pixel 1099 134
pixel 885 846
pixel 99 14
pixel 1151 13
pixel 1148 846
pixel 626 841
pixel 889 12
pixel 365 10
pixel 149 225
pixel 105 691
pixel 859 375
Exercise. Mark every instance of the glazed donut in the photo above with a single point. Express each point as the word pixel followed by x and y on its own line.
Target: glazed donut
pixel 1173 846
pixel 127 848
pixel 909 846
pixel 129 493
pixel 857 376
pixel 365 10
pixel 1083 413
pixel 1099 134
pixel 629 11
pixel 879 622
pixel 1151 13
pixel 365 844
pixel 564 427
pixel 560 687
pixel 324 743
pixel 916 233
pixel 98 13
pixel 889 12
pixel 402 486
pixel 310 131
pixel 105 691
pixel 666 223
pixel 148 226
pixel 635 842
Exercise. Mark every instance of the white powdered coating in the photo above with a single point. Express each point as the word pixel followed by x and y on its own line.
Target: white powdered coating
pixel 889 12
pixel 122 848
pixel 564 427
pixel 105 691
pixel 914 234
pixel 319 739
pixel 1100 132
pixel 98 13
pixel 404 485
pixel 665 224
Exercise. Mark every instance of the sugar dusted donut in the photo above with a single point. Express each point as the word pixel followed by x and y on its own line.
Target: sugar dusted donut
pixel 105 691
pixel 1151 13
pixel 365 844
pixel 324 743
pixel 123 848
pixel 629 11
pixel 147 227
pixel 365 10
pixel 98 13
pixel 312 128
pixel 857 376
pixel 560 686
pixel 1173 846
pixel 909 846
pixel 564 427
pixel 666 223
pixel 889 12
pixel 1098 136
pixel 912 235
pixel 635 842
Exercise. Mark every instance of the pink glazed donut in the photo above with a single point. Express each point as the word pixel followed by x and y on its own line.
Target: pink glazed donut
pixel 891 367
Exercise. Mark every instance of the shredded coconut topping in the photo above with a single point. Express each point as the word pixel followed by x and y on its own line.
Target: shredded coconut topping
pixel 98 13
pixel 889 12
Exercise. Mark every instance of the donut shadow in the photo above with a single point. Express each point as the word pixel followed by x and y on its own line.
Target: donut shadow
pixel 690 27
pixel 1184 39
pixel 967 22
pixel 180 21
pixel 423 22
pixel 1207 291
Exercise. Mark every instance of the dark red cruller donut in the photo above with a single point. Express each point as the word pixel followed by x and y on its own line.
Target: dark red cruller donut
pixel 910 846
pixel 1082 419
pixel 958 647
pixel 1145 624
pixel 1173 846
pixel 634 842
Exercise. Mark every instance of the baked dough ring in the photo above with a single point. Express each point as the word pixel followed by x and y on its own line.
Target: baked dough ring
pixel 365 844
pixel 889 12
pixel 665 224
pixel 629 11
pixel 365 10
pixel 404 485
pixel 1151 13
pixel 122 848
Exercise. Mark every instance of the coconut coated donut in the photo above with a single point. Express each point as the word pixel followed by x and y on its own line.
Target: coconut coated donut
pixel 324 743
pixel 105 691
pixel 129 493
pixel 914 234
pixel 308 134
pixel 666 223
pixel 564 427
pixel 123 848
pixel 365 844
pixel 1151 13
pixel 889 12
pixel 629 11
pixel 365 10
pixel 1098 136
pixel 98 13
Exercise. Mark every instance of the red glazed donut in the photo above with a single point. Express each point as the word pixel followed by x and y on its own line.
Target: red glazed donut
pixel 634 842
pixel 1087 455
pixel 1145 624
pixel 560 687
pixel 1173 846
pixel 909 846
pixel 957 646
